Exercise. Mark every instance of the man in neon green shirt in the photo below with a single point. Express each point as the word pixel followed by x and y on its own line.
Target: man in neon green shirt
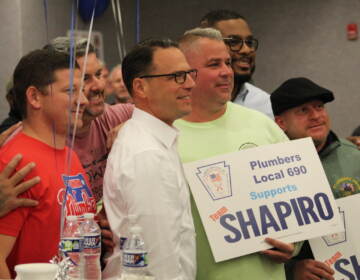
pixel 217 126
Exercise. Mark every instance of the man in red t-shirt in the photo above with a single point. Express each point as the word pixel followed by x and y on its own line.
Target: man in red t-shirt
pixel 47 94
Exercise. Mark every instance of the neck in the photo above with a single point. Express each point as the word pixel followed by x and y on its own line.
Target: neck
pixel 199 114
pixel 85 128
pixel 45 133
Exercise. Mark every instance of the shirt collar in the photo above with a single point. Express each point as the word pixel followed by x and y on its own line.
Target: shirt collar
pixel 243 92
pixel 332 141
pixel 165 133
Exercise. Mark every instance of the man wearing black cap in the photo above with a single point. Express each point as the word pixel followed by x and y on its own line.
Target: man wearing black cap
pixel 298 106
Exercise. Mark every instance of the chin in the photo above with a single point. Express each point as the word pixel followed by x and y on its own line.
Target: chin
pixel 242 78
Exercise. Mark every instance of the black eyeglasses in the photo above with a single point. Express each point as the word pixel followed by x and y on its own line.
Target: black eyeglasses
pixel 180 77
pixel 236 43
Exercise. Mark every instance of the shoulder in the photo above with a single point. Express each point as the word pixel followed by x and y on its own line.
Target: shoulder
pixel 114 115
pixel 123 110
pixel 349 146
pixel 253 89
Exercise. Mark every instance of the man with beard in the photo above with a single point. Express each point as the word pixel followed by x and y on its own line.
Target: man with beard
pixel 242 47
pixel 298 106
pixel 98 118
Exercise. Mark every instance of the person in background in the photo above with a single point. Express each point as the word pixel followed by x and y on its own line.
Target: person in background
pixel 299 108
pixel 105 76
pixel 14 115
pixel 242 46
pixel 120 93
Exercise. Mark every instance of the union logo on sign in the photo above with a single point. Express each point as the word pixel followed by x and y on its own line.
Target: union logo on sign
pixel 336 238
pixel 216 179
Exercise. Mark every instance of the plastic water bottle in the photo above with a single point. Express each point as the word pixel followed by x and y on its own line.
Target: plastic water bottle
pixel 71 246
pixel 92 247
pixel 134 261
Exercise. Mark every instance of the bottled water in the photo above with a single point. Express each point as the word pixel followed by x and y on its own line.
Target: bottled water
pixel 134 263
pixel 71 246
pixel 92 247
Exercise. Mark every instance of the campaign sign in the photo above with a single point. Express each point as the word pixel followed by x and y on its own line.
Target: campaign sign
pixel 278 191
pixel 341 251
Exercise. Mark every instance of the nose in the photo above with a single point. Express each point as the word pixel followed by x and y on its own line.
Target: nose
pixel 189 82
pixel 245 49
pixel 226 70
pixel 82 99
pixel 315 114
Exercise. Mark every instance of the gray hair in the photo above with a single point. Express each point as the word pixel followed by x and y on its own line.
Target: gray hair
pixel 63 44
pixel 208 32
pixel 191 36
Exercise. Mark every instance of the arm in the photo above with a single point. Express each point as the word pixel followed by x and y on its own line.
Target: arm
pixel 11 186
pixel 6 245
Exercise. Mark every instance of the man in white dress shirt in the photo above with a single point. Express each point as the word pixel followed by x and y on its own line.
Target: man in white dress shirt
pixel 144 176
pixel 242 46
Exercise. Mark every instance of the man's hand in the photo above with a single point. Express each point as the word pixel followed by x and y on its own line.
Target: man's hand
pixel 107 243
pixel 11 187
pixel 355 140
pixel 5 134
pixel 112 134
pixel 312 270
pixel 282 253
pixel 106 233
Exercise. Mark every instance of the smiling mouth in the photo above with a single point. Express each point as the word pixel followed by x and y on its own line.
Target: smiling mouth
pixel 185 97
pixel 242 62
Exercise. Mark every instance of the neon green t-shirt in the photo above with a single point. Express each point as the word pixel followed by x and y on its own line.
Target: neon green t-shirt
pixel 239 128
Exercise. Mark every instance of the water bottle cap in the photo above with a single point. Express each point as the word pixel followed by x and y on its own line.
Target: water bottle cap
pixel 89 216
pixel 71 218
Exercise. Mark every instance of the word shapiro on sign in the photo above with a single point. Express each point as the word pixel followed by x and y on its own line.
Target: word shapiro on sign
pixel 306 210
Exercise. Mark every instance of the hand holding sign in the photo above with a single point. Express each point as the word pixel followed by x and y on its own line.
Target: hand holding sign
pixel 283 251
pixel 312 269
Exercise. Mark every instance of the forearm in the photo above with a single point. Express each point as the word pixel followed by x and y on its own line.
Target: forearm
pixel 4 270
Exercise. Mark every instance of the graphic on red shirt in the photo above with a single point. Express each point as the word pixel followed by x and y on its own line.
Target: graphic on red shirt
pixel 79 197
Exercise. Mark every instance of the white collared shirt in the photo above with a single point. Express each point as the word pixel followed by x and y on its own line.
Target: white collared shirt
pixel 144 177
pixel 252 97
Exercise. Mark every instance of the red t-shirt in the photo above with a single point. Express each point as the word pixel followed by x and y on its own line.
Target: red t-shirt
pixel 37 229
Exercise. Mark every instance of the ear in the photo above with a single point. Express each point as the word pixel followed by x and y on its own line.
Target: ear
pixel 33 97
pixel 139 88
pixel 281 122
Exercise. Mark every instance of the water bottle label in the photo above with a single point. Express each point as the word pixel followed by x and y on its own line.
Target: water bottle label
pixel 122 242
pixel 92 241
pixel 135 259
pixel 71 245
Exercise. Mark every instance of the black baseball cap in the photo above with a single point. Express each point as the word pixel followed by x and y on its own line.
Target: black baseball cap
pixel 297 91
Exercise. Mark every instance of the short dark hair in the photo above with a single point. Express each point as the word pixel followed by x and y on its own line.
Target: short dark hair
pixel 212 17
pixel 63 44
pixel 139 60
pixel 36 69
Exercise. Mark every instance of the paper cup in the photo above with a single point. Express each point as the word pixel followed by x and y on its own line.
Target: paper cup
pixel 36 271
